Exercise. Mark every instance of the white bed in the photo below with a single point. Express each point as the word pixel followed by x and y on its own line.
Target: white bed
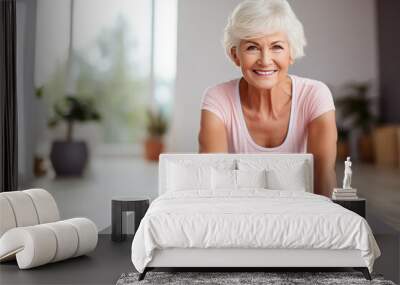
pixel 200 220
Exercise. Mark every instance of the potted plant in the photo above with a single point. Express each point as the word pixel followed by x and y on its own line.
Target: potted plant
pixel 357 106
pixel 343 149
pixel 157 126
pixel 67 156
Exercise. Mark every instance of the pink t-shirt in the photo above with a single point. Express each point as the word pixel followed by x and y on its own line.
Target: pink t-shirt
pixel 311 98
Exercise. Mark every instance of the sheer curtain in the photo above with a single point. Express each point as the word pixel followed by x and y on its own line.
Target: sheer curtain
pixel 8 98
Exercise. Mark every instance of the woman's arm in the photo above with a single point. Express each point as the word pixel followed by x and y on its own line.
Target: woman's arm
pixel 212 136
pixel 322 139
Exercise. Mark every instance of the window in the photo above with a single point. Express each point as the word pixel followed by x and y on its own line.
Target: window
pixel 122 53
pixel 165 41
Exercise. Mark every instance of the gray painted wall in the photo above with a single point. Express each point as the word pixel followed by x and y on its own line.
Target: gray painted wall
pixel 342 46
pixel 389 56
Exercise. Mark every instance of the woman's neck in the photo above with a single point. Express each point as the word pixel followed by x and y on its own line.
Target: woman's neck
pixel 267 103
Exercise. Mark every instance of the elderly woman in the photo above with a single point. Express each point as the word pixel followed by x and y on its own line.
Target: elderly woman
pixel 267 110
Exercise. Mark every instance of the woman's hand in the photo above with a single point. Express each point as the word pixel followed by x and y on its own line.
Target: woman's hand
pixel 212 136
pixel 322 139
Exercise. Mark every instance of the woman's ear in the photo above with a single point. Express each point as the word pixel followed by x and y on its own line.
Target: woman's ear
pixel 291 61
pixel 234 56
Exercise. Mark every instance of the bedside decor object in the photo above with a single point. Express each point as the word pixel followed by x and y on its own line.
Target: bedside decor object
pixel 347 192
pixel 347 174
pixel 31 231
pixel 67 156
pixel 123 204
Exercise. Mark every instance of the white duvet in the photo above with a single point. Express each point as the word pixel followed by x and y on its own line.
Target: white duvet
pixel 251 218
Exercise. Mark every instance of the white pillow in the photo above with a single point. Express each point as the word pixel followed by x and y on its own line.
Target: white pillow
pixel 293 180
pixel 282 174
pixel 236 179
pixel 188 177
pixel 223 179
pixel 251 178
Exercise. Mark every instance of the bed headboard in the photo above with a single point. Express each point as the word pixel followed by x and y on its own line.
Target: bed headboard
pixel 275 161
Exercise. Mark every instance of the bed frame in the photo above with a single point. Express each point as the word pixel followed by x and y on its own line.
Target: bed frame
pixel 242 259
pixel 246 259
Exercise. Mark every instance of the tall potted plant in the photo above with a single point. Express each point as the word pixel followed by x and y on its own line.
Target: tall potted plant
pixel 157 126
pixel 357 106
pixel 343 149
pixel 67 156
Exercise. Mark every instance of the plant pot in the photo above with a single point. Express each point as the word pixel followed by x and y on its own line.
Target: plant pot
pixel 69 158
pixel 366 148
pixel 154 146
pixel 39 168
pixel 343 150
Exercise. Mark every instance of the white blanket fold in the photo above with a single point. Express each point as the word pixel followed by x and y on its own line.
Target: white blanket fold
pixel 250 218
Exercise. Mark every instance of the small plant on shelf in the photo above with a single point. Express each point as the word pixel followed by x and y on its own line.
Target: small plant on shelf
pixel 157 126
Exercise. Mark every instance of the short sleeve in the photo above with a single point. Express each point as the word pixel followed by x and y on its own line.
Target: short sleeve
pixel 214 101
pixel 320 101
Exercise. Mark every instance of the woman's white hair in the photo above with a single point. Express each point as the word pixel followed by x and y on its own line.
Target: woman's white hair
pixel 256 18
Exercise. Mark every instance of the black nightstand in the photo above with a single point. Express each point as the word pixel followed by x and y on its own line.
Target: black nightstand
pixel 122 204
pixel 357 205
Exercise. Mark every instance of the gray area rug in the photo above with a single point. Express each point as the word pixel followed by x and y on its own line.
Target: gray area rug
pixel 229 278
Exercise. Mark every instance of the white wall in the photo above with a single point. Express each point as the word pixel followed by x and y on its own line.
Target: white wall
pixel 342 46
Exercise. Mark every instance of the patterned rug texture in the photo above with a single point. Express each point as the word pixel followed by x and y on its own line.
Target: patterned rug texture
pixel 273 278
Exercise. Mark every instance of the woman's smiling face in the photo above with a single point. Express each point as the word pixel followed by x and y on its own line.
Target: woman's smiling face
pixel 264 61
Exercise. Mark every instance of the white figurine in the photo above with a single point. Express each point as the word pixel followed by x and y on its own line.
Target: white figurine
pixel 347 174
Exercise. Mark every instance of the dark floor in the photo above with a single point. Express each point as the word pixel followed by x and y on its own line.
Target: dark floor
pixel 103 266
pixel 111 259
